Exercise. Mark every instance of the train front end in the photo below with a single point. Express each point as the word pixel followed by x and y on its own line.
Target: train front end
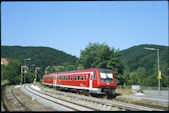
pixel 107 82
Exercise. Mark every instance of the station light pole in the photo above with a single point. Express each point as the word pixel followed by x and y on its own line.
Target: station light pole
pixel 46 69
pixel 26 69
pixel 159 72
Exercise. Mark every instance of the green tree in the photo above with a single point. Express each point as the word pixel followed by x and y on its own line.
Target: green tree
pixel 80 66
pixel 101 56
pixel 51 69
pixel 67 67
pixel 12 72
pixel 3 71
pixel 30 76
pixel 137 77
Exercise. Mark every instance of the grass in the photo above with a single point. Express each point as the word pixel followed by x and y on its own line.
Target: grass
pixel 123 91
pixel 4 82
pixel 38 84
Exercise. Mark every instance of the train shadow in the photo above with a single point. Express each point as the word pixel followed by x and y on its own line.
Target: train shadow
pixel 105 96
pixel 118 94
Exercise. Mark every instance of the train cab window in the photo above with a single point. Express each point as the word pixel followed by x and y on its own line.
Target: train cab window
pixel 82 77
pixel 94 75
pixel 78 77
pixel 75 77
pixel 72 77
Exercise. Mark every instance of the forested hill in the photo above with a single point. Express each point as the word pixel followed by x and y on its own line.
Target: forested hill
pixel 137 56
pixel 141 65
pixel 40 56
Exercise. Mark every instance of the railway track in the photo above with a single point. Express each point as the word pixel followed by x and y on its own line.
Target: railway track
pixel 105 104
pixel 60 102
pixel 12 102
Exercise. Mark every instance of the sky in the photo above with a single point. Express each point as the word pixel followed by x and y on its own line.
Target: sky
pixel 71 26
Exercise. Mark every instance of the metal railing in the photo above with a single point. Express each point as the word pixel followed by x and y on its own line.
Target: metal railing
pixel 143 87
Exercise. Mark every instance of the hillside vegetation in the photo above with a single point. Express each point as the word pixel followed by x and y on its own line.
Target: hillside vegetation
pixel 40 56
pixel 134 65
pixel 141 65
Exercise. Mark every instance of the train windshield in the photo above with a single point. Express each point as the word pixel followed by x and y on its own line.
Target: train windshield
pixel 106 76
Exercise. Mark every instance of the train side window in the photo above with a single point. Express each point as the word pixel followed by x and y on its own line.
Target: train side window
pixel 85 77
pixel 78 77
pixel 94 76
pixel 72 77
pixel 66 77
pixel 82 77
pixel 91 76
pixel 75 77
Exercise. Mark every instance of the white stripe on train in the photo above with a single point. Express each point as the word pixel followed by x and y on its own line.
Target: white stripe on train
pixel 92 90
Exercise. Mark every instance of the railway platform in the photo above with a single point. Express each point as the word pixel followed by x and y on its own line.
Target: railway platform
pixel 151 98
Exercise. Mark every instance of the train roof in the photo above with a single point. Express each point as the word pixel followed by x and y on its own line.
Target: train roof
pixel 90 69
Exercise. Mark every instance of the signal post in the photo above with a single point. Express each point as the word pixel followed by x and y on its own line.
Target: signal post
pixel 36 70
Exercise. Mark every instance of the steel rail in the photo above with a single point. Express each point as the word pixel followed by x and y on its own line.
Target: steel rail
pixel 52 100
pixel 6 104
pixel 21 102
pixel 66 100
pixel 117 104
pixel 9 107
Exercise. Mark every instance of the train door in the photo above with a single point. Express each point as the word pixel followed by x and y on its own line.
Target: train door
pixel 91 81
pixel 94 80
pixel 55 78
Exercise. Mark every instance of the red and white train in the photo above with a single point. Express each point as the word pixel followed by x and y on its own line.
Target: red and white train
pixel 99 81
